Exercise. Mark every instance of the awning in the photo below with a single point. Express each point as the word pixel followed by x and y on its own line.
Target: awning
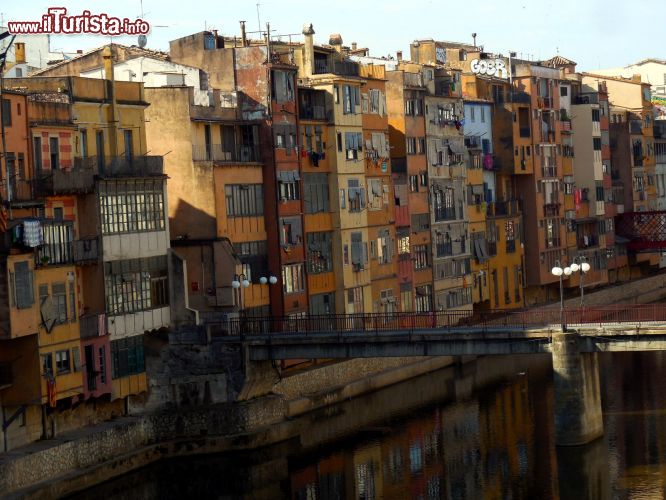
pixel 480 251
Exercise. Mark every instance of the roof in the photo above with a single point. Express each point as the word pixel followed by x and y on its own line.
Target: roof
pixel 648 60
pixel 132 51
pixel 614 78
pixel 558 61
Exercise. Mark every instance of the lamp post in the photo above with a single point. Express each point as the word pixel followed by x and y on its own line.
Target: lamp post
pixel 560 272
pixel 240 281
pixel 580 264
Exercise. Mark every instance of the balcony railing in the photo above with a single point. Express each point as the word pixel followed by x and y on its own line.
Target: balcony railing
pixel 313 113
pixel 445 213
pixel 413 79
pixel 92 325
pixel 79 179
pixel 520 97
pixel 566 125
pixel 587 241
pixel 551 209
pixel 635 127
pixel 549 171
pixel 86 250
pixel 346 68
pixel 503 208
pixel 135 166
pixel 220 153
pixel 321 67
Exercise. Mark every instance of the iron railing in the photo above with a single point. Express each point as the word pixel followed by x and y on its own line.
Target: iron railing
pixel 221 153
pixel 454 321
pixel 92 325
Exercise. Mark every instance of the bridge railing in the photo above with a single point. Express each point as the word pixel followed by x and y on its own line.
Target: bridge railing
pixel 458 321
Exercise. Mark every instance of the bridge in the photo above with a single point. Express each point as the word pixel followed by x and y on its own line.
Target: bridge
pixel 572 337
pixel 450 333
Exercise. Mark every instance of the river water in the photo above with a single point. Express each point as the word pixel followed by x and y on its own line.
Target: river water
pixel 474 435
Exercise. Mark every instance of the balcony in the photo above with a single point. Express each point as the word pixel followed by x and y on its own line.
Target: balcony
pixel 520 97
pixel 221 153
pixel 78 180
pixel 86 251
pixel 135 166
pixel 313 113
pixel 659 129
pixel 566 125
pixel 444 213
pixel 551 209
pixel 503 208
pixel 549 171
pixel 413 80
pixel 545 102
pixel 587 99
pixel 587 241
pixel 345 68
pixel 635 127
pixel 92 325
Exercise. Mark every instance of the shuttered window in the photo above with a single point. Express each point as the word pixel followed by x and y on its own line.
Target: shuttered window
pixel 24 288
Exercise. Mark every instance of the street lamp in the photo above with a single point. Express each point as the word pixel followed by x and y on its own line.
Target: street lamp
pixel 583 267
pixel 240 280
pixel 560 272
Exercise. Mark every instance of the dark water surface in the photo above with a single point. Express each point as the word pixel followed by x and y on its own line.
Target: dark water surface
pixel 477 431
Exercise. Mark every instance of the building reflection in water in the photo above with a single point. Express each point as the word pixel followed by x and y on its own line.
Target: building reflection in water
pixel 485 448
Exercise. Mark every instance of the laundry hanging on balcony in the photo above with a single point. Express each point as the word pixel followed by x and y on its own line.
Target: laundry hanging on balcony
pixel 32 233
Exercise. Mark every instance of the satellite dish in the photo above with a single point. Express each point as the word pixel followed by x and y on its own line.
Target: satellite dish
pixel 143 40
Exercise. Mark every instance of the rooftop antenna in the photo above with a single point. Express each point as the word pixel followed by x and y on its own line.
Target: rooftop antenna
pixel 258 18
pixel 474 38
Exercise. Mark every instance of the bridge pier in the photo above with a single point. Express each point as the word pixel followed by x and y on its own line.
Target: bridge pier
pixel 578 418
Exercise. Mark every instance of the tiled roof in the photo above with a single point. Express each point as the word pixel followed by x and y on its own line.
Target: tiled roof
pixel 558 61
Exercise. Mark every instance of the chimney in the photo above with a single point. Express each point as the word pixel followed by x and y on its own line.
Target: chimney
pixel 243 35
pixel 308 50
pixel 79 51
pixel 19 52
pixel 336 41
pixel 398 55
pixel 354 45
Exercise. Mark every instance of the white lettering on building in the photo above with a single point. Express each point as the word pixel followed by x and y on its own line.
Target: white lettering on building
pixel 491 68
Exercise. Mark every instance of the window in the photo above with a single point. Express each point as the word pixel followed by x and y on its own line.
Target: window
pixel 403 245
pixel 564 91
pixel 414 183
pixel 59 302
pixel 127 357
pixel 6 112
pixel 244 200
pixel 288 190
pixel 411 145
pixel 351 98
pixel 406 300
pixel 323 303
pixel 510 236
pixel 62 362
pixel 83 137
pixel 24 292
pixel 54 151
pixel 353 144
pixel 316 193
pixel 37 152
pixel 421 256
pixel 409 107
pixel 424 298
pixel 595 115
pixel 458 298
pixel 336 94
pixel 422 146
pixel 359 251
pixel 319 252
pixel 356 195
pixel 472 114
pixel 293 279
pixel 423 176
pixel 129 144
pixel 384 250
pixel 596 143
pixel 292 231
pixel 253 257
pixel 132 206
pixel 376 194
pixel 99 144
pixel 47 364
pixel 355 300
pixel 483 114
pixel 443 245
pixel 283 86
pixel 136 285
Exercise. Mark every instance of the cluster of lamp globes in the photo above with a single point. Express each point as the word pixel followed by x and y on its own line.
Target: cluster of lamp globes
pixel 237 283
pixel 573 268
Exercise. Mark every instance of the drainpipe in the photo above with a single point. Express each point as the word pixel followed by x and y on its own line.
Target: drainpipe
pixel 107 55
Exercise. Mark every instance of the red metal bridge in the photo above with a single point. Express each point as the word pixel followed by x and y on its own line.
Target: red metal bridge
pixel 645 230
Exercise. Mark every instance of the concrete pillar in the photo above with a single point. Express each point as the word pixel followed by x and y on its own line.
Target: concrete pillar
pixel 578 417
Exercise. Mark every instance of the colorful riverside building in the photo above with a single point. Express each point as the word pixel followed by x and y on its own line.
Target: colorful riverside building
pixel 85 207
pixel 492 197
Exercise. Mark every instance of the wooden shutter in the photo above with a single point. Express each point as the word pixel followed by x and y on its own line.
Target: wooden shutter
pixel 25 294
